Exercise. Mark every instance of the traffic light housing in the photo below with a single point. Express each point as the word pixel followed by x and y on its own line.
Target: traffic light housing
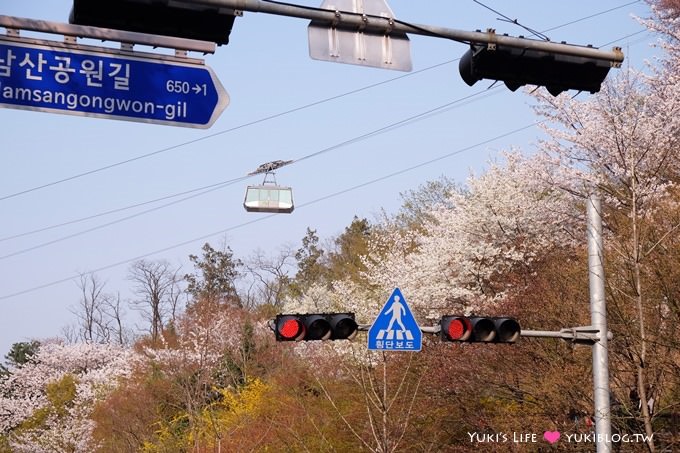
pixel 525 66
pixel 315 326
pixel 475 329
pixel 156 17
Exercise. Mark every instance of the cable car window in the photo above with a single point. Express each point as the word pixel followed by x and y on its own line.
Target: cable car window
pixel 269 197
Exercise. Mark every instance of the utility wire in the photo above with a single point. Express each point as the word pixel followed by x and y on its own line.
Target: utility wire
pixel 514 21
pixel 213 187
pixel 114 222
pixel 220 185
pixel 276 115
pixel 260 219
pixel 232 129
pixel 420 116
pixel 627 36
pixel 590 17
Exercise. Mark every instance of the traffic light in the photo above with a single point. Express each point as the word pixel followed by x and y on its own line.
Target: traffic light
pixel 315 326
pixel 474 329
pixel 156 17
pixel 524 66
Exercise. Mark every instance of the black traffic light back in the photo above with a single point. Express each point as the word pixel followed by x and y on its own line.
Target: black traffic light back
pixel 476 329
pixel 179 19
pixel 315 326
pixel 517 67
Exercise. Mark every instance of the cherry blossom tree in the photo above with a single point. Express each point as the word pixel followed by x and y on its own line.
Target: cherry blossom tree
pixel 505 218
pixel 46 402
pixel 623 142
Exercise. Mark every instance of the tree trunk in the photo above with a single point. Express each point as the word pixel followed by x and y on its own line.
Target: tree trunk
pixel 642 362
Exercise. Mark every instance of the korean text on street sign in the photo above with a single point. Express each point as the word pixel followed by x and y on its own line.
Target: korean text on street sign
pixel 104 85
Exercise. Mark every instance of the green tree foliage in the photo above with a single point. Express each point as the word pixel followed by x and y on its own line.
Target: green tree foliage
pixel 21 352
pixel 417 204
pixel 346 260
pixel 310 266
pixel 319 266
pixel 215 277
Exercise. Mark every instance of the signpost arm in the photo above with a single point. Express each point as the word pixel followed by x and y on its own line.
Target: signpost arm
pixel 387 25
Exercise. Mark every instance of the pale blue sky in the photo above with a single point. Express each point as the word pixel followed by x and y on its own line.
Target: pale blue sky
pixel 267 71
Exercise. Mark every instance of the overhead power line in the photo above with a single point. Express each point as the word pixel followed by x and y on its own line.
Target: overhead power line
pixel 514 21
pixel 276 115
pixel 417 117
pixel 260 219
pixel 216 134
pixel 213 187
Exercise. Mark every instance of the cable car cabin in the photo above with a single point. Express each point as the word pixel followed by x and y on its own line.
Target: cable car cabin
pixel 269 198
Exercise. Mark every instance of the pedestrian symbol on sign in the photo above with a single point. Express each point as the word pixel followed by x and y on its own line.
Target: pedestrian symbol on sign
pixel 395 328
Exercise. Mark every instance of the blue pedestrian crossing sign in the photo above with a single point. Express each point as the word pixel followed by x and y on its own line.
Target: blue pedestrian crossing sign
pixel 395 328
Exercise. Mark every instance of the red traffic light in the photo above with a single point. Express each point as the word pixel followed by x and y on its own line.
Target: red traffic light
pixel 315 326
pixel 456 328
pixel 475 329
pixel 289 328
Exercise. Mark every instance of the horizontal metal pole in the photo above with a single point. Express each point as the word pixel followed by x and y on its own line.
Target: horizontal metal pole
pixel 427 329
pixel 545 334
pixel 578 334
pixel 107 34
pixel 583 334
pixel 100 49
pixel 388 24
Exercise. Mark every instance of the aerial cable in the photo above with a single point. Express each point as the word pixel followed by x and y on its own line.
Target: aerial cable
pixel 232 129
pixel 223 184
pixel 213 187
pixel 122 219
pixel 163 150
pixel 514 21
pixel 262 218
pixel 590 17
pixel 207 189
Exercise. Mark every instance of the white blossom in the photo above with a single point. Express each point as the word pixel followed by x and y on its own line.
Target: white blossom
pixel 96 369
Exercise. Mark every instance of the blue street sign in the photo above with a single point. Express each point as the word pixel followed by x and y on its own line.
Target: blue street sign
pixel 395 328
pixel 72 81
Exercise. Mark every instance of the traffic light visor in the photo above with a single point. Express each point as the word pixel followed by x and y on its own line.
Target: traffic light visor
pixel 289 328
pixel 456 328
pixel 315 326
pixel 526 66
pixel 483 329
pixel 508 330
pixel 318 327
pixel 343 326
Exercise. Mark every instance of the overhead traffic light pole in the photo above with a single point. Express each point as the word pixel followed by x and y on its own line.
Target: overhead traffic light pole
pixel 473 329
pixel 387 25
pixel 367 33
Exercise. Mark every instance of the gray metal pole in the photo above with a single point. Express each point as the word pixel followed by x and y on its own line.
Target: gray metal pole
pixel 598 315
pixel 388 24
